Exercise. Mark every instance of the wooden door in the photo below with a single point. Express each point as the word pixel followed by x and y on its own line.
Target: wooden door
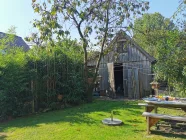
pixel 133 83
pixel 110 67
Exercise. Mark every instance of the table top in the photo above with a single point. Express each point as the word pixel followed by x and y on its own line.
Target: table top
pixel 176 103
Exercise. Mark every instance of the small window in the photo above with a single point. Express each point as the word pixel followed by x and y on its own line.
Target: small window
pixel 121 47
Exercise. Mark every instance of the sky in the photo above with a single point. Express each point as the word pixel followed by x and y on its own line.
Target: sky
pixel 19 13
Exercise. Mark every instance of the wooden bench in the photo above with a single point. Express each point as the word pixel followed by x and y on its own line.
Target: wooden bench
pixel 148 108
pixel 153 118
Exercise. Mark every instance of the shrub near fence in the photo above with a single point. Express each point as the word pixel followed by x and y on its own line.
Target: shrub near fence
pixel 13 84
pixel 31 81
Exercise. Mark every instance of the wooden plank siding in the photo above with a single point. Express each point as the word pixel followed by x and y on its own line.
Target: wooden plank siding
pixel 137 72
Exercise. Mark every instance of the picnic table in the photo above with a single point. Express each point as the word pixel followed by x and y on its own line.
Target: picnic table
pixel 167 104
pixel 153 118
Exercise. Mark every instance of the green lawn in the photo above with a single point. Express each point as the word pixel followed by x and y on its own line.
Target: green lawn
pixel 84 123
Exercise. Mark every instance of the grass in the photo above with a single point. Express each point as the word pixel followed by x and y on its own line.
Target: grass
pixel 84 123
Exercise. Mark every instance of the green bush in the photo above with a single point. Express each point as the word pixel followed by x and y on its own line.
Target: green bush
pixel 30 81
pixel 14 84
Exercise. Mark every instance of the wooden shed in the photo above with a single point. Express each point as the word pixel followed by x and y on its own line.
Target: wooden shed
pixel 125 69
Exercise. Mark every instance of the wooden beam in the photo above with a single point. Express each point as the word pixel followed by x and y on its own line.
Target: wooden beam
pixel 149 108
pixel 164 116
pixel 150 123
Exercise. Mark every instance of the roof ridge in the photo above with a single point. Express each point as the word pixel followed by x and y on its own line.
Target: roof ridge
pixel 18 41
pixel 10 34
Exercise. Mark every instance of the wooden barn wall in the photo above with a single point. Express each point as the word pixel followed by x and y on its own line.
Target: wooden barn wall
pixel 91 63
pixel 103 72
pixel 140 68
pixel 136 72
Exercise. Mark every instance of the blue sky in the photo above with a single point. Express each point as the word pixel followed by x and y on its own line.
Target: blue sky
pixel 19 13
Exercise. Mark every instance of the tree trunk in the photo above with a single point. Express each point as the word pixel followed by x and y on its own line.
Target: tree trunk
pixel 102 45
pixel 88 88
pixel 32 91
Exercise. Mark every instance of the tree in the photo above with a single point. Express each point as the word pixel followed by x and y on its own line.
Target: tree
pixel 149 29
pixel 6 39
pixel 12 30
pixel 171 53
pixel 180 9
pixel 102 18
pixel 171 60
pixel 34 39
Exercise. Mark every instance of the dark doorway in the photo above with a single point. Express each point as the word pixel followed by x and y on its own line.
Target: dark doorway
pixel 118 77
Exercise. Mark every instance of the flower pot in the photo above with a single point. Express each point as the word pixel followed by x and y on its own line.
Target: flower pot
pixel 59 97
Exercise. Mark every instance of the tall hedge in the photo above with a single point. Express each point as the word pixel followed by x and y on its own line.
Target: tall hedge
pixel 31 81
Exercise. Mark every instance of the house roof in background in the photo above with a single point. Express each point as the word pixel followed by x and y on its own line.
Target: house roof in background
pixel 18 41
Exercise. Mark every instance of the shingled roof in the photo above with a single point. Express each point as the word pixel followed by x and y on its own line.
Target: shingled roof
pixel 18 41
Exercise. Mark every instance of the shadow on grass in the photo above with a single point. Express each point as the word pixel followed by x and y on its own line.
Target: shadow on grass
pixel 137 131
pixel 134 112
pixel 134 121
pixel 77 115
pixel 2 136
pixel 169 135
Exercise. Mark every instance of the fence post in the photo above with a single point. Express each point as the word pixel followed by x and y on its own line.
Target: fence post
pixel 32 90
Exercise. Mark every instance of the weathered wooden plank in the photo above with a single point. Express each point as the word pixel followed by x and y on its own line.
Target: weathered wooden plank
pixel 151 122
pixel 129 84
pixel 144 104
pixel 137 83
pixel 148 108
pixel 111 77
pixel 153 118
pixel 164 116
pixel 130 53
pixel 106 83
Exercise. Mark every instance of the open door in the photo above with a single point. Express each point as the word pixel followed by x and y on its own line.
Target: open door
pixel 118 79
pixel 110 67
